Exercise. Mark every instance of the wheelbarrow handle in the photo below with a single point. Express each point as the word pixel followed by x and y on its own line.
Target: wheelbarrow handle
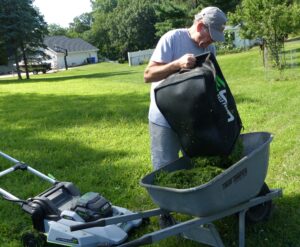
pixel 138 242
pixel 86 225
pixel 117 219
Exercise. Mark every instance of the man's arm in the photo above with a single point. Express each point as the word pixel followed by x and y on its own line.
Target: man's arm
pixel 157 71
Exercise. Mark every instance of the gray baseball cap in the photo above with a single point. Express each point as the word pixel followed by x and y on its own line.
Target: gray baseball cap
pixel 215 20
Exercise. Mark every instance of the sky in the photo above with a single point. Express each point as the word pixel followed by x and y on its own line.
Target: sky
pixel 62 12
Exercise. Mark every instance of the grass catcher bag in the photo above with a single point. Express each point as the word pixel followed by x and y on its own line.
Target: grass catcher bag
pixel 200 108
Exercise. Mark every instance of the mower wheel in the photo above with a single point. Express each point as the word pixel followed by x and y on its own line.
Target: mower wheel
pixel 262 211
pixel 30 239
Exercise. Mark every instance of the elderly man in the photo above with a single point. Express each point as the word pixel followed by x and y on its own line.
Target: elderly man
pixel 177 50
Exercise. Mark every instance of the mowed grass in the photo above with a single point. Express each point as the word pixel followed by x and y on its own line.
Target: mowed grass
pixel 88 125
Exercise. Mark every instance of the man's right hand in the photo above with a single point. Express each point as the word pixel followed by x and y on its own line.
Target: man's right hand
pixel 187 61
pixel 158 71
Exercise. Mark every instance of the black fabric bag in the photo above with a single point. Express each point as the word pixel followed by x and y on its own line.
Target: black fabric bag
pixel 200 108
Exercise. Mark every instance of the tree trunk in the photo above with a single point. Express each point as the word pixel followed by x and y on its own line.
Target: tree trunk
pixel 25 61
pixel 262 47
pixel 17 65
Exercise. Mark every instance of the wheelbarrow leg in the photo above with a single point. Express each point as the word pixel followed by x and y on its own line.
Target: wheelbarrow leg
pixel 242 215
pixel 206 234
pixel 166 232
pixel 216 235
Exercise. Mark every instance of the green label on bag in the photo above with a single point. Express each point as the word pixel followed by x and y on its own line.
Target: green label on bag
pixel 219 83
pixel 221 89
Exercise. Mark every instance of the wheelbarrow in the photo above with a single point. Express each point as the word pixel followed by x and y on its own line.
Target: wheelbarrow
pixel 239 190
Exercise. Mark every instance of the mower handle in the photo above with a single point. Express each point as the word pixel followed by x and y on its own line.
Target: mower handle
pixel 9 158
pixel 22 166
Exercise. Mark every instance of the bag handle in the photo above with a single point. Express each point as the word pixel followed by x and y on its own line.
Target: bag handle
pixel 181 71
pixel 207 63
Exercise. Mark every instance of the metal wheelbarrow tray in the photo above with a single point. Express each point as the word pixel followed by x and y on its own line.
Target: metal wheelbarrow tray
pixel 237 184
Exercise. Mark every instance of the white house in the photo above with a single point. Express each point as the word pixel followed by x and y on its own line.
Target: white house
pixel 237 40
pixel 76 51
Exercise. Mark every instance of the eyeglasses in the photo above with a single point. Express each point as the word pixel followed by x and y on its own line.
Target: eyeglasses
pixel 206 28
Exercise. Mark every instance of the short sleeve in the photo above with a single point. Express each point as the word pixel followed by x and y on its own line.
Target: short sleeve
pixel 163 53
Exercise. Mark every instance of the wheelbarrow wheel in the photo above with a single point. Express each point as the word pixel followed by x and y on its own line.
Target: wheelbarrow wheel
pixel 30 239
pixel 262 211
pixel 166 220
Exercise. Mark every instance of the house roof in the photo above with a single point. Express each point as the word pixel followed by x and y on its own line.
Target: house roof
pixel 59 43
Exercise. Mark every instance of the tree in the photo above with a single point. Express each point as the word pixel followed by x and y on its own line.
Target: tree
pixel 127 32
pixel 170 16
pixel 3 54
pixel 104 6
pixel 102 12
pixel 22 29
pixel 56 30
pixel 269 20
pixel 122 26
pixel 80 25
pixel 224 5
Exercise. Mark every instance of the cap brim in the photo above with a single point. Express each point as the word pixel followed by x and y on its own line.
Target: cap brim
pixel 216 35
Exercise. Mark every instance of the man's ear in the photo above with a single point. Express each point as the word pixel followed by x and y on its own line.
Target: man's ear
pixel 199 26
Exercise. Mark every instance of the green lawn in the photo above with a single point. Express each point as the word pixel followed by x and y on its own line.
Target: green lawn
pixel 89 125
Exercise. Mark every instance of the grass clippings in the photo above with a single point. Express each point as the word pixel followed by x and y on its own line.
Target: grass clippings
pixel 203 170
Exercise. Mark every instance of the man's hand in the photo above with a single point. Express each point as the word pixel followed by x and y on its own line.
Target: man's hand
pixel 187 61
pixel 157 71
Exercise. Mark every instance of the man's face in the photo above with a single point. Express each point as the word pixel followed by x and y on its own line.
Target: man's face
pixel 204 39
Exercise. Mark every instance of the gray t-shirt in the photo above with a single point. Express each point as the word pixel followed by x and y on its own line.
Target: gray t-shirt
pixel 171 46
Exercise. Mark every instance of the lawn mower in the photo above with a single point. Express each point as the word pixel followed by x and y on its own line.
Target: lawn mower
pixel 61 206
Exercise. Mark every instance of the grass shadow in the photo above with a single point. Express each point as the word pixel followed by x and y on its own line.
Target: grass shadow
pixel 54 111
pixel 286 214
pixel 102 169
pixel 25 117
pixel 291 65
pixel 291 58
pixel 56 77
pixel 85 76
pixel 297 50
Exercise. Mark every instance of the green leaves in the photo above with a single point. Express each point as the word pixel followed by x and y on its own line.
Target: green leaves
pixel 170 16
pixel 21 27
pixel 269 20
pixel 123 27
pixel 120 26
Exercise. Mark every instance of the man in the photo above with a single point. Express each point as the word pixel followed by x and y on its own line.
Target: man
pixel 176 50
